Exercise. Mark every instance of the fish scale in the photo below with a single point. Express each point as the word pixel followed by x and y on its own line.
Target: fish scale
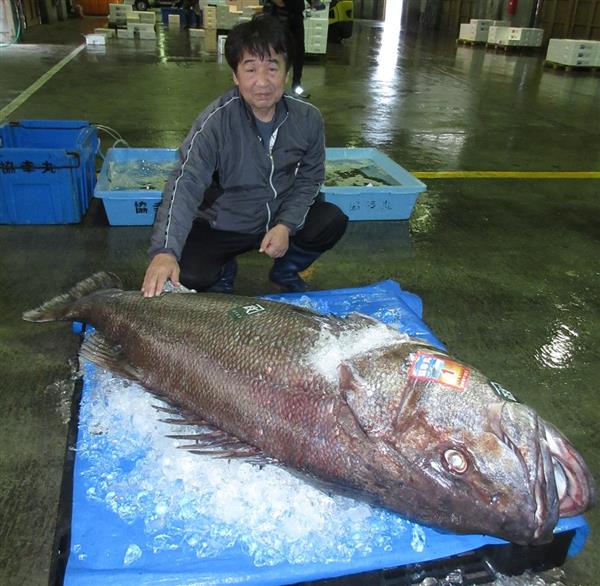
pixel 349 401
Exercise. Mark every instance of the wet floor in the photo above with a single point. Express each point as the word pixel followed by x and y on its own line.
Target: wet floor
pixel 507 269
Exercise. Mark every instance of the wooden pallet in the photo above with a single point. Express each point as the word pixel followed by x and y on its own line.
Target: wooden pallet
pixel 469 43
pixel 563 67
pixel 511 48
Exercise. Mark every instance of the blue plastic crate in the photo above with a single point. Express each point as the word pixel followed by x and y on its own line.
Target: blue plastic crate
pixel 131 207
pixel 387 202
pixel 390 202
pixel 47 170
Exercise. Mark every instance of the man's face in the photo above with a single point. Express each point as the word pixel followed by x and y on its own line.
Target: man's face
pixel 261 82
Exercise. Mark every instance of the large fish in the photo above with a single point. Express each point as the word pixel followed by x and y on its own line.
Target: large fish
pixel 349 401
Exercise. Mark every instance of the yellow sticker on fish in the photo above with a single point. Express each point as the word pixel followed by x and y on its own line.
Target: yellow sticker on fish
pixel 243 311
pixel 431 367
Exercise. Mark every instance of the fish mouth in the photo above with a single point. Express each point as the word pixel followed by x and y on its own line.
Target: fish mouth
pixel 574 483
pixel 559 481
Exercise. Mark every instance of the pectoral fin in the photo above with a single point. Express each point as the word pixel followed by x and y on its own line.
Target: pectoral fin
pixel 98 350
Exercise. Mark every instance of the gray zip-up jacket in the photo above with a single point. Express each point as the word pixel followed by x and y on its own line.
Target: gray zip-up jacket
pixel 228 177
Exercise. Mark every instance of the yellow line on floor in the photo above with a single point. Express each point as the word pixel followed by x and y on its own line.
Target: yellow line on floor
pixel 506 174
pixel 36 85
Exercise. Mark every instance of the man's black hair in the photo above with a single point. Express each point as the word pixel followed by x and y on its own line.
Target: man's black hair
pixel 257 37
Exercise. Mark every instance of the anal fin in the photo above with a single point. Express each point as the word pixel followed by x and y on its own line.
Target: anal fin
pixel 214 442
pixel 98 350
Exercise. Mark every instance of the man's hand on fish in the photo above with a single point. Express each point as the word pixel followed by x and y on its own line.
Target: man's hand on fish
pixel 163 267
pixel 276 241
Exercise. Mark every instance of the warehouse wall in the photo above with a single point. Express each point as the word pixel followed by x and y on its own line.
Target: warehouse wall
pixel 448 14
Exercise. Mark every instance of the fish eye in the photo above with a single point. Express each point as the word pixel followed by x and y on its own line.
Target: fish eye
pixel 455 461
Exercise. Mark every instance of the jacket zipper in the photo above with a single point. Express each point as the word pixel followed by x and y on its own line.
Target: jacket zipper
pixel 271 145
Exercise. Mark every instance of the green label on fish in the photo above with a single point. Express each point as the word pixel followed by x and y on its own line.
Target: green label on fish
pixel 243 311
pixel 502 392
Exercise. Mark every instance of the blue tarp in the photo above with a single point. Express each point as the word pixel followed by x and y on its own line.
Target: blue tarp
pixel 100 539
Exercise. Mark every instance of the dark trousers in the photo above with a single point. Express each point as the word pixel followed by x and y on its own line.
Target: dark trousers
pixel 296 27
pixel 206 250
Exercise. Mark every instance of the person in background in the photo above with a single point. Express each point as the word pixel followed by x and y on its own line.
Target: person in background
pixel 291 12
pixel 249 176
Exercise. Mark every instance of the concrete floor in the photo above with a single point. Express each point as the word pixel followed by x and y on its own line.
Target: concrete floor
pixel 507 269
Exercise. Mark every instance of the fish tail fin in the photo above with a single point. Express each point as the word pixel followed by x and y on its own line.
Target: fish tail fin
pixel 58 308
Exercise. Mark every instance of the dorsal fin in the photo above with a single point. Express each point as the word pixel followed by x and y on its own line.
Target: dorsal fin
pixel 58 307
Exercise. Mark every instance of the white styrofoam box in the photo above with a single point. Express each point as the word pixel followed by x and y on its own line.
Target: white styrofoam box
pixel 124 33
pixel 174 21
pixel 509 42
pixel 141 27
pixel 109 33
pixel 120 8
pixel 221 40
pixel 197 32
pixel 497 32
pixel 500 23
pixel 515 36
pixel 583 53
pixel 486 22
pixel 148 17
pixel 527 35
pixel 573 45
pixel 95 39
pixel 315 47
pixel 470 32
pixel 318 27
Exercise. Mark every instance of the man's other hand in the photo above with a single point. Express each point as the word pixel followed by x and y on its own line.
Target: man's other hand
pixel 163 266
pixel 276 241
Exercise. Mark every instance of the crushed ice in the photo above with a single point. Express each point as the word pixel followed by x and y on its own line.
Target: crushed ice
pixel 209 505
pixel 330 350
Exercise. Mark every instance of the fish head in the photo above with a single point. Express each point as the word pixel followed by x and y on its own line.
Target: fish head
pixel 466 455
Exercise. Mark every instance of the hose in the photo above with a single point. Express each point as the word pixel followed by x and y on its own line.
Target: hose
pixel 17 22
pixel 113 134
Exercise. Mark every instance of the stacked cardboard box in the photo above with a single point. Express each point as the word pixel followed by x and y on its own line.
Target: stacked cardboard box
pixel 316 26
pixel 141 24
pixel 209 17
pixel 117 13
pixel 209 21
pixel 573 52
